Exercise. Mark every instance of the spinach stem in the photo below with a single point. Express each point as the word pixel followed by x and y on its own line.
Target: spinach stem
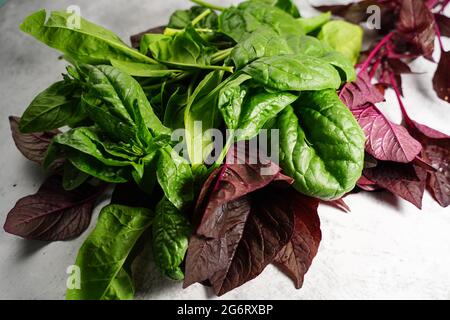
pixel 201 16
pixel 220 55
pixel 208 5
pixel 225 149
pixel 172 31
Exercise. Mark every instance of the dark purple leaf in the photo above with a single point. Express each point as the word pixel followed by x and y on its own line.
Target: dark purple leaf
pixel 233 182
pixel 246 219
pixel 443 23
pixel 360 93
pixel 404 180
pixel 32 145
pixel 441 79
pixel 353 12
pixel 416 27
pixel 296 257
pixel 385 140
pixel 436 152
pixel 254 230
pixel 52 213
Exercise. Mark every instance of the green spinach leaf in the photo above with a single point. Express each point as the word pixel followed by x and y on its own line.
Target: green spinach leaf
pixel 343 37
pixel 180 19
pixel 238 22
pixel 86 43
pixel 294 73
pixel 175 178
pixel 72 177
pixel 321 145
pixel 202 114
pixel 171 232
pixel 103 254
pixel 312 24
pixel 55 107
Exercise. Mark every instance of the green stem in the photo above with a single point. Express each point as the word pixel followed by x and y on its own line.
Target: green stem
pixel 208 5
pixel 221 55
pixel 172 31
pixel 201 16
pixel 224 151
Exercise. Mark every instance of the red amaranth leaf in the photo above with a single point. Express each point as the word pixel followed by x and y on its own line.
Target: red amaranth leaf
pixel 404 180
pixel 33 146
pixel 53 214
pixel 246 219
pixel 443 23
pixel 235 180
pixel 360 93
pixel 385 140
pixel 436 152
pixel 416 28
pixel 297 256
pixel 441 79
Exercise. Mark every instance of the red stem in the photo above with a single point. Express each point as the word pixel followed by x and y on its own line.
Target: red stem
pixel 374 52
pixel 439 36
pixel 399 98
pixel 375 68
pixel 446 3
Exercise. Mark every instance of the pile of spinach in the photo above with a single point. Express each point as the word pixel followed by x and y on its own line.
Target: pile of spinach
pixel 110 120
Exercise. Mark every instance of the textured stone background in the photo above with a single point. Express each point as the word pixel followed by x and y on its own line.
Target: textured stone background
pixel 384 249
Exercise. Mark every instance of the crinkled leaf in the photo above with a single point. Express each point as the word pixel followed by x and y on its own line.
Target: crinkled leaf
pixel 238 22
pixel 321 145
pixel 171 232
pixel 52 213
pixel 175 178
pixel 294 73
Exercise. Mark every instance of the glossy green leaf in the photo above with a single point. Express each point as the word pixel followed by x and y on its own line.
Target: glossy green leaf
pixel 285 5
pixel 180 19
pixel 184 50
pixel 175 178
pixel 312 24
pixel 171 232
pixel 259 109
pixel 265 42
pixel 238 22
pixel 102 256
pixel 72 177
pixel 84 43
pixel 55 107
pixel 294 73
pixel 118 105
pixel 342 63
pixel 343 37
pixel 321 145
pixel 175 109
pixel 98 169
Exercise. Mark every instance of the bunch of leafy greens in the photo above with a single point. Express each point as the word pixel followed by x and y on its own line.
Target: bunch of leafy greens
pixel 259 65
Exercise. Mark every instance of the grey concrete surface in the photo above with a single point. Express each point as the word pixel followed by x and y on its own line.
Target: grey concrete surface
pixel 384 249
